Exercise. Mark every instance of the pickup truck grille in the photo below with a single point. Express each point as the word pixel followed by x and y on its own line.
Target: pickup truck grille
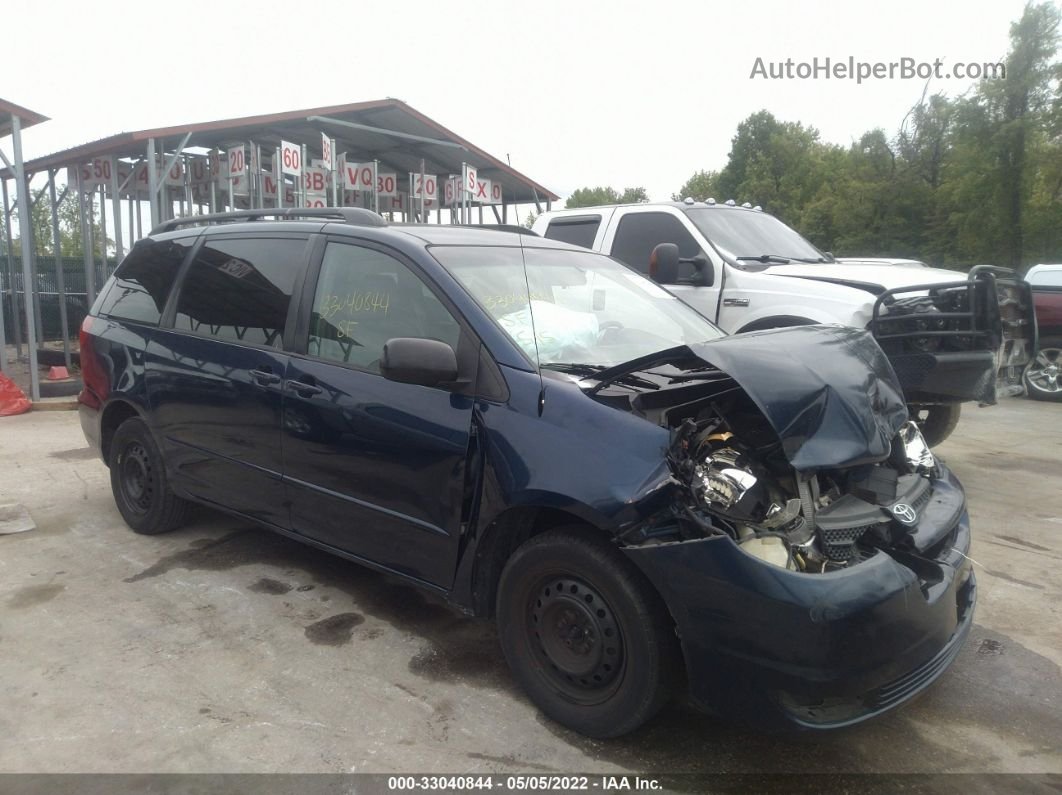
pixel 990 312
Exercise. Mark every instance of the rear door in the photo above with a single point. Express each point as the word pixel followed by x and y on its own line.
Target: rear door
pixel 215 374
pixel 374 467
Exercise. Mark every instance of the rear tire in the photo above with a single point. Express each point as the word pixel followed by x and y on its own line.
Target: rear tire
pixel 1043 377
pixel 138 481
pixel 936 422
pixel 585 634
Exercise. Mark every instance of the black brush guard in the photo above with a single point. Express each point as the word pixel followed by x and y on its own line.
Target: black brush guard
pixel 956 341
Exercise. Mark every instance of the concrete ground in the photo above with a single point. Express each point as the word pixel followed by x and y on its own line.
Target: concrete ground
pixel 221 647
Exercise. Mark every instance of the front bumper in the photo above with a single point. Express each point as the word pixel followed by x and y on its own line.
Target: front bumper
pixel 955 376
pixel 781 648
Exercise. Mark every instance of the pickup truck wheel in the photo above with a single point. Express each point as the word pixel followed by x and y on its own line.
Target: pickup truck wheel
pixel 585 634
pixel 138 480
pixel 936 422
pixel 1043 377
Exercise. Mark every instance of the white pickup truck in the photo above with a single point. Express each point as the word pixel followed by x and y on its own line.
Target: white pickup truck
pixel 950 337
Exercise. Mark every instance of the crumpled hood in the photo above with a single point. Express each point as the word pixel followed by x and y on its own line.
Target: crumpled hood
pixel 829 392
pixel 882 276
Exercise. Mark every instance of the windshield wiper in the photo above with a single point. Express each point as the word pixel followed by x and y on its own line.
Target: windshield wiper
pixel 766 258
pixel 595 370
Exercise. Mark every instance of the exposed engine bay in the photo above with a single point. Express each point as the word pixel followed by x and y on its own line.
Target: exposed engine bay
pixel 795 444
pixel 809 522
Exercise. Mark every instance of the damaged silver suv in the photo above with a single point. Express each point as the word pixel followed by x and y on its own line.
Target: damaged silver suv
pixel 543 436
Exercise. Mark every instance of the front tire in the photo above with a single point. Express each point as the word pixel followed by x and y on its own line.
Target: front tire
pixel 936 422
pixel 585 634
pixel 1043 377
pixel 138 481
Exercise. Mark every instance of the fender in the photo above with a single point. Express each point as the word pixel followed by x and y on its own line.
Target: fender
pixel 778 321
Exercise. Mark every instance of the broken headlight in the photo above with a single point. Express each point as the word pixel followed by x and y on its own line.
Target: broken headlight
pixel 915 450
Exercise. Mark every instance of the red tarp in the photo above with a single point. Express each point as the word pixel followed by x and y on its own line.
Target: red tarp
pixel 12 399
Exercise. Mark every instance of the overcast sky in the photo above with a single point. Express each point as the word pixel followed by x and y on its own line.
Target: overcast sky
pixel 576 93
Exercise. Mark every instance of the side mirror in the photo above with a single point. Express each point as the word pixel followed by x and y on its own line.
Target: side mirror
pixel 705 270
pixel 411 360
pixel 664 263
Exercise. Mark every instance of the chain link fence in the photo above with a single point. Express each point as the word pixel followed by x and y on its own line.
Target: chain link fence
pixel 48 294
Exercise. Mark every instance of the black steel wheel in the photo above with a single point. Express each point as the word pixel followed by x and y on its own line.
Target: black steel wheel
pixel 577 639
pixel 585 633
pixel 138 481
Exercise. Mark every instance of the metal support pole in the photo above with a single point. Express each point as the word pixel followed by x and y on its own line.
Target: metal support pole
pixel 26 234
pixel 86 245
pixel 302 177
pixel 16 313
pixel 116 209
pixel 423 190
pixel 153 182
pixel 278 169
pixel 34 270
pixel 375 193
pixel 3 333
pixel 334 175
pixel 103 230
pixel 60 282
pixel 187 185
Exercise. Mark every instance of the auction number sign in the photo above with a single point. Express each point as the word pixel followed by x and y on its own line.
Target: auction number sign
pixel 360 176
pixel 424 186
pixel 237 160
pixel 290 158
pixel 316 181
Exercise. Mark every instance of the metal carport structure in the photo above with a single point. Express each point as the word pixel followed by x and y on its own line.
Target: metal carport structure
pixel 14 119
pixel 388 133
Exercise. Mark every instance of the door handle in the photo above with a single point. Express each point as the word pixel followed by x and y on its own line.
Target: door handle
pixel 264 377
pixel 303 389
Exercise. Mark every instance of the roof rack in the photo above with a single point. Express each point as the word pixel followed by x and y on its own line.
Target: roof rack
pixel 514 228
pixel 349 215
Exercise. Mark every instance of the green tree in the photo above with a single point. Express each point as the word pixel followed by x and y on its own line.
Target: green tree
pixel 701 186
pixel 69 225
pixel 593 197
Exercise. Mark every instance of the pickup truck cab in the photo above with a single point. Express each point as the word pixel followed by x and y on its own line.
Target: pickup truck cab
pixel 1043 377
pixel 950 339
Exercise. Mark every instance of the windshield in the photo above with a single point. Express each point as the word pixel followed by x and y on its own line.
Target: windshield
pixel 584 309
pixel 752 235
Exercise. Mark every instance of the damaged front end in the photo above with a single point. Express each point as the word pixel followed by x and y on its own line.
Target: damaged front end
pixel 813 549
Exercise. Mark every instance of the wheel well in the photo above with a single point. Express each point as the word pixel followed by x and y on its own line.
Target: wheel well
pixel 779 321
pixel 503 537
pixel 113 416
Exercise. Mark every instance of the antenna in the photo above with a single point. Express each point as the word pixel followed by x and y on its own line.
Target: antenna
pixel 534 332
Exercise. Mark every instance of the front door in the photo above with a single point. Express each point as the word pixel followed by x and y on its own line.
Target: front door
pixel 375 467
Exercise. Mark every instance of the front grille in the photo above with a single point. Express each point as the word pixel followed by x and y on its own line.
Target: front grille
pixel 839 543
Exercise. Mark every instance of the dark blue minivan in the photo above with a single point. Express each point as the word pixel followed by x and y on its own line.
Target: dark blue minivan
pixel 550 439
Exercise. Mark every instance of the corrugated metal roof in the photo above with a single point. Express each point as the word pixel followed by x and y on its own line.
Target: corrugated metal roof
pixel 26 117
pixel 415 136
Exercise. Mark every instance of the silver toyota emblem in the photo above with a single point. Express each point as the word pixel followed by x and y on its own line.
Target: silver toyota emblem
pixel 904 512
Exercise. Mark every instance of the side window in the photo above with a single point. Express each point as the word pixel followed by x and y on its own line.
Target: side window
pixel 142 283
pixel 1051 278
pixel 639 233
pixel 239 290
pixel 578 230
pixel 364 298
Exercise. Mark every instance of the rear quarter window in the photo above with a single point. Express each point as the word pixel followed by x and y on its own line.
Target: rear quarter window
pixel 578 230
pixel 140 286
